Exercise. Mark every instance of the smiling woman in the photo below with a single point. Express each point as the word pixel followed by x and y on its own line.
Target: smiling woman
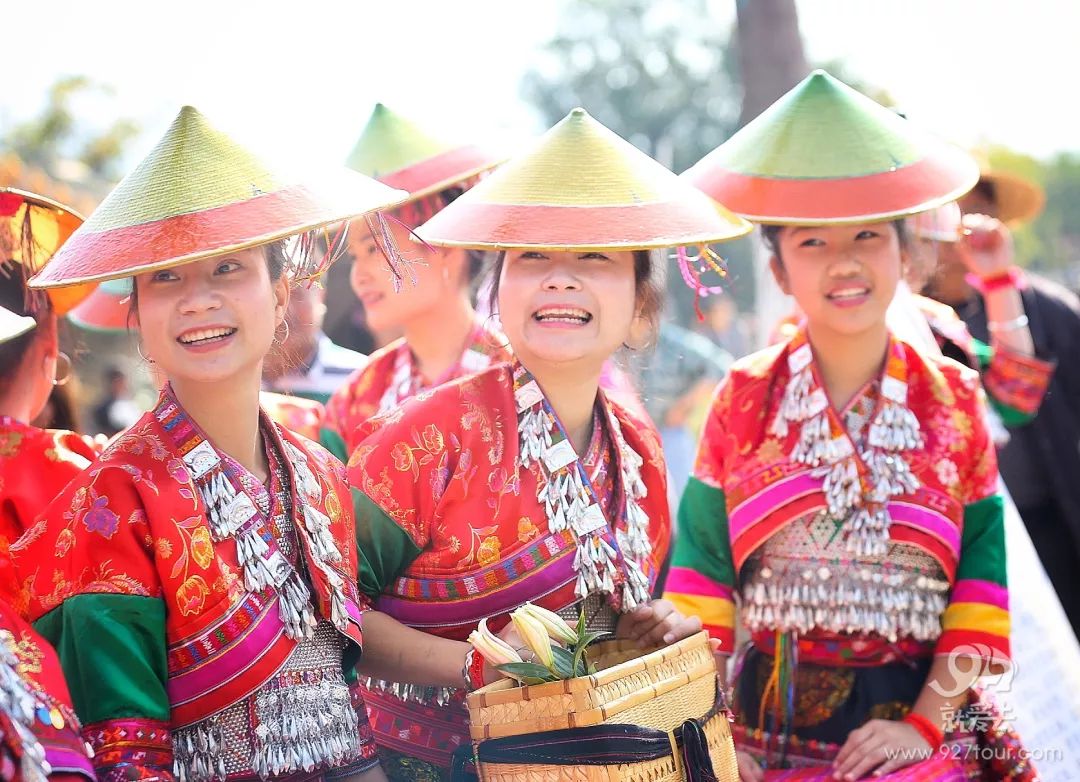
pixel 442 336
pixel 527 481
pixel 198 581
pixel 845 495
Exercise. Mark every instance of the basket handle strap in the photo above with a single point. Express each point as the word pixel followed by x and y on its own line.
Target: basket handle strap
pixel 696 761
pixel 461 765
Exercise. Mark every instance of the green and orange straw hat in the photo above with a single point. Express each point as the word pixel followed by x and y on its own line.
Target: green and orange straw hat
pixel 32 229
pixel 824 153
pixel 401 154
pixel 581 188
pixel 199 194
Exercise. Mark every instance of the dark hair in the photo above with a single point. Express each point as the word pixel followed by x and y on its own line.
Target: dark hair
pixel 649 272
pixel 276 261
pixel 15 297
pixel 986 189
pixel 770 235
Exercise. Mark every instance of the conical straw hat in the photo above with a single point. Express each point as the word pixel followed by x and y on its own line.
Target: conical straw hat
pixel 400 154
pixel 106 309
pixel 1017 198
pixel 32 228
pixel 824 153
pixel 12 325
pixel 197 194
pixel 582 187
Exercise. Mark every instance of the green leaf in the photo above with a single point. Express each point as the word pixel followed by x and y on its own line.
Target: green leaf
pixel 565 663
pixel 528 671
pixel 588 639
pixel 579 660
pixel 581 621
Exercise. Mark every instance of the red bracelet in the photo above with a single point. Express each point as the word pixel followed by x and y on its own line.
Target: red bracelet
pixel 928 730
pixel 1013 277
pixel 474 670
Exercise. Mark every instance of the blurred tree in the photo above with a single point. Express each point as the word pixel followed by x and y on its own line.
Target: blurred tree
pixel 770 52
pixel 659 73
pixel 56 137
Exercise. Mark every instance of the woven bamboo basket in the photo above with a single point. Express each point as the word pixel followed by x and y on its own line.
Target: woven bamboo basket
pixel 659 690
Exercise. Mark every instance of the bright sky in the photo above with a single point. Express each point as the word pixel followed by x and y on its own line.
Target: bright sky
pixel 300 76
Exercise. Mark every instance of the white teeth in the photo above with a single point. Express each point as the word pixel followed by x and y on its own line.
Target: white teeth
pixel 848 293
pixel 203 335
pixel 563 315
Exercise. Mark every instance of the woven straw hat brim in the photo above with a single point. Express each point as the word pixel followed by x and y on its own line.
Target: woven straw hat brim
pixel 440 172
pixel 583 228
pixel 582 187
pixel 51 223
pixel 890 195
pixel 12 325
pixel 106 309
pixel 130 250
pixel 1018 200
pixel 826 154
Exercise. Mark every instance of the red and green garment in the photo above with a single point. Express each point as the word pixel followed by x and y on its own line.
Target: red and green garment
pixel 39 732
pixel 451 530
pixel 1015 384
pixel 35 464
pixel 391 376
pixel 746 487
pixel 148 608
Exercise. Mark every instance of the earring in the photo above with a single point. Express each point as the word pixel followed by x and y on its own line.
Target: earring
pixel 285 323
pixel 58 379
pixel 143 356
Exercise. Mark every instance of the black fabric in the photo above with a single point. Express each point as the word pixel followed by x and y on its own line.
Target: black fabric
pixel 1041 462
pixel 879 691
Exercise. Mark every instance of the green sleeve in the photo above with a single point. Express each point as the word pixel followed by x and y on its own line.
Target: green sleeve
pixel 112 649
pixel 702 543
pixel 984 354
pixel 384 548
pixel 1010 416
pixel 982 543
pixel 334 443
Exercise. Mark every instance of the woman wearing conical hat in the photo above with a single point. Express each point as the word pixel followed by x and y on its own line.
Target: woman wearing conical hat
pixel 35 464
pixel 39 732
pixel 198 580
pixel 845 493
pixel 443 336
pixel 526 481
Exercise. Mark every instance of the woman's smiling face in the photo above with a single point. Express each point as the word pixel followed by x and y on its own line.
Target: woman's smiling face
pixel 842 276
pixel 209 320
pixel 558 307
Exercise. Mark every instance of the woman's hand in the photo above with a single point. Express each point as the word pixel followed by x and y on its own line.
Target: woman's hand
pixel 986 246
pixel 749 770
pixel 656 623
pixel 881 746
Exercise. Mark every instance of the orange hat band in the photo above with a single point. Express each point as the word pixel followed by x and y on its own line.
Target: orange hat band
pixel 123 252
pixel 808 201
pixel 439 172
pixel 580 227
